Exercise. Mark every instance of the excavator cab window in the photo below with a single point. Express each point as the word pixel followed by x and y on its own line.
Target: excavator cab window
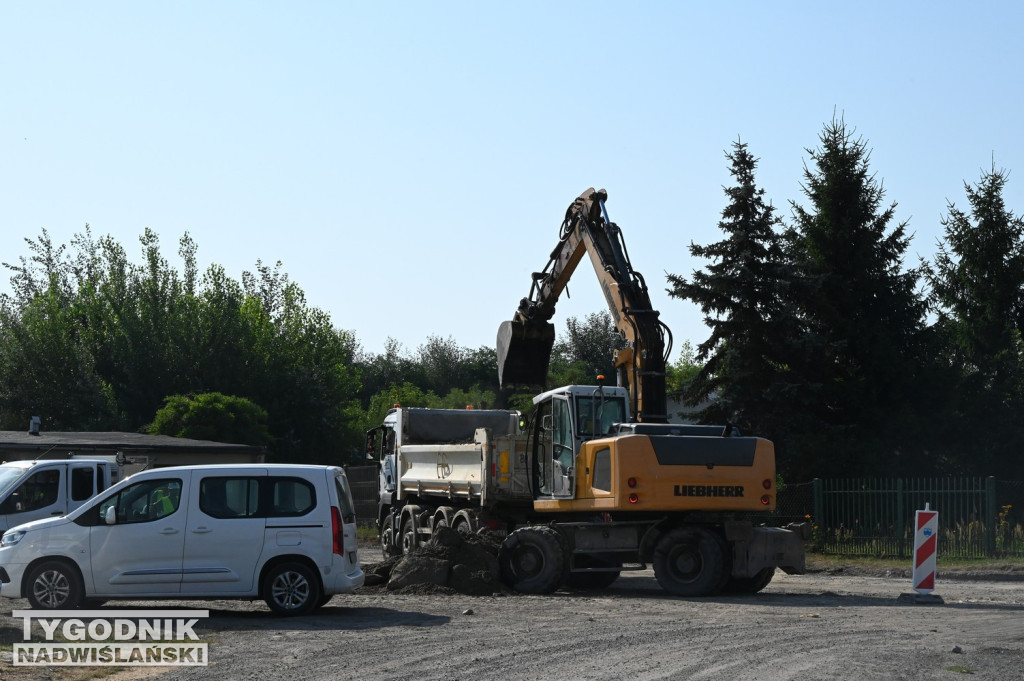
pixel 597 415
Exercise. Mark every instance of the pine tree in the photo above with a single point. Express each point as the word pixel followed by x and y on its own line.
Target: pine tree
pixel 978 288
pixel 861 363
pixel 742 296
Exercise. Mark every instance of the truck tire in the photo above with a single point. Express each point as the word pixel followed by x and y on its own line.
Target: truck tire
pixel 749 585
pixel 407 538
pixel 691 561
pixel 291 589
pixel 54 585
pixel 532 560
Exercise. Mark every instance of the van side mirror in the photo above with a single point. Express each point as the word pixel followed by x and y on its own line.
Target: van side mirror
pixel 110 517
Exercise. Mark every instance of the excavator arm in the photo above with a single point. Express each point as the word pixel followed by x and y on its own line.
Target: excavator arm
pixel 524 344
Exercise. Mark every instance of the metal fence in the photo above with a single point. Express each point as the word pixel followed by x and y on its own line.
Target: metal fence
pixel 978 517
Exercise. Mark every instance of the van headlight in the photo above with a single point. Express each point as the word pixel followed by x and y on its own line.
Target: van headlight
pixel 13 537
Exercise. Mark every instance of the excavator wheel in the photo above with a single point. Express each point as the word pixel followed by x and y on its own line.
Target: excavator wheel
pixel 532 560
pixel 691 561
pixel 749 585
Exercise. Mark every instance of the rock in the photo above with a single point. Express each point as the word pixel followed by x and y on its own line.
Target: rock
pixel 417 569
pixel 958 650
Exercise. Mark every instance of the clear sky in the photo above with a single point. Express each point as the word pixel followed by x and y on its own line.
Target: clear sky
pixel 409 163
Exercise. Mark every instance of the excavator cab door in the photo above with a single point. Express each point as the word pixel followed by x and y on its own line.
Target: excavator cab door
pixel 554 449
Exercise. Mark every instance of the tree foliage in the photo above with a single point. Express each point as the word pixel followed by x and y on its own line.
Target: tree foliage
pixel 977 283
pixel 212 416
pixel 91 340
pixel 744 295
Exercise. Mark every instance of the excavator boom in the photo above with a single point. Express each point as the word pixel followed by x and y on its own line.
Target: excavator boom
pixel 525 342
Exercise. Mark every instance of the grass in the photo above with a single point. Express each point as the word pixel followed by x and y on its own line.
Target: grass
pixel 819 561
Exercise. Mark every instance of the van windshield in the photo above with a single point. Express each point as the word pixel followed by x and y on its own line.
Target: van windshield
pixel 9 476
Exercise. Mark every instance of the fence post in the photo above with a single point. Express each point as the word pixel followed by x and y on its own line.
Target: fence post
pixel 819 505
pixel 901 520
pixel 990 515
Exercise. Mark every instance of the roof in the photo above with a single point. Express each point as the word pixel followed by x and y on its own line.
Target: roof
pixel 128 442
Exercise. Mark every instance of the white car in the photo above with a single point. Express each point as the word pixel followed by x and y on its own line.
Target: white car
pixel 283 533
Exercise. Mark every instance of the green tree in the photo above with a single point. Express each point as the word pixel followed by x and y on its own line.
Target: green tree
pixel 586 351
pixel 212 416
pixel 119 337
pixel 743 295
pixel 977 286
pixel 857 371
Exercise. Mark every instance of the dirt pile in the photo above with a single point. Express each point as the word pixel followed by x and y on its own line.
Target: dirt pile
pixel 450 562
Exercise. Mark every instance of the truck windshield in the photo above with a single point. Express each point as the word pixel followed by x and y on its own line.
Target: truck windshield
pixel 602 413
pixel 9 476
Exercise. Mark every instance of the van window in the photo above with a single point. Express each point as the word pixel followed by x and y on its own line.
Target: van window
pixel 39 491
pixel 229 497
pixel 348 510
pixel 255 497
pixel 81 483
pixel 291 497
pixel 144 501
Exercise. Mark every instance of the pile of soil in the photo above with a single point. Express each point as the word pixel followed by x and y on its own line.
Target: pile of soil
pixel 450 562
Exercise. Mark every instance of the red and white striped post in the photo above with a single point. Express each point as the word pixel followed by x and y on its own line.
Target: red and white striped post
pixel 925 539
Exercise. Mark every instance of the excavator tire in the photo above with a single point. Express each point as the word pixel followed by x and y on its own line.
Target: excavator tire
pixel 691 561
pixel 749 585
pixel 532 560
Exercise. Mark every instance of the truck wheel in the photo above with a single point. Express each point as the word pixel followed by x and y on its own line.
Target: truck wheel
pixel 387 541
pixel 54 585
pixel 690 561
pixel 532 560
pixel 408 537
pixel 750 585
pixel 291 589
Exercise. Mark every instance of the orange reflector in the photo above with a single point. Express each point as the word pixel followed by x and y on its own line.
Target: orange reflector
pixel 631 482
pixel 765 500
pixel 633 498
pixel 767 484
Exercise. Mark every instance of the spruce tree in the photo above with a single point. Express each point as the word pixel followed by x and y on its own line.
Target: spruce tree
pixel 862 318
pixel 977 286
pixel 742 295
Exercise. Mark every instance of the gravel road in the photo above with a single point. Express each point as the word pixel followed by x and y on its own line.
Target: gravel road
pixel 817 626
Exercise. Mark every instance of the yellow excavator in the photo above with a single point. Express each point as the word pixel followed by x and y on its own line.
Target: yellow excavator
pixel 596 480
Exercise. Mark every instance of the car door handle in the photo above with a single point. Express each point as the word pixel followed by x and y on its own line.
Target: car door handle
pixel 168 530
pixel 201 530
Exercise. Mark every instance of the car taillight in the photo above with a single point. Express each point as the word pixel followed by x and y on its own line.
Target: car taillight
pixel 338 531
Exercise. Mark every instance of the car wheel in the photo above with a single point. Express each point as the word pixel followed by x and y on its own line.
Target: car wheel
pixel 291 589
pixel 54 585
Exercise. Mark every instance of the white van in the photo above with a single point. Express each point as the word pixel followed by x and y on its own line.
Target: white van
pixel 30 490
pixel 283 533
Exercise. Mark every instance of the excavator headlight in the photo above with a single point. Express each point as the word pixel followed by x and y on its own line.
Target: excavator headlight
pixel 634 498
pixel 631 482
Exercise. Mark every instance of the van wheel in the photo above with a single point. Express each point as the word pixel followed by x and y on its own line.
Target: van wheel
pixel 291 589
pixel 55 585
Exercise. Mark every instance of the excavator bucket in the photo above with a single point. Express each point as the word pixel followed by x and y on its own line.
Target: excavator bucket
pixel 524 351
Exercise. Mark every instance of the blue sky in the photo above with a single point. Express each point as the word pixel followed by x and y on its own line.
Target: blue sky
pixel 410 163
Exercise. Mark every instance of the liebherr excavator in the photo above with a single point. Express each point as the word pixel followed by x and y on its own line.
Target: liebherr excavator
pixel 596 481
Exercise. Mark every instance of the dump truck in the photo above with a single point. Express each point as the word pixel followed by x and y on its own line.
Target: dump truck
pixel 595 480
